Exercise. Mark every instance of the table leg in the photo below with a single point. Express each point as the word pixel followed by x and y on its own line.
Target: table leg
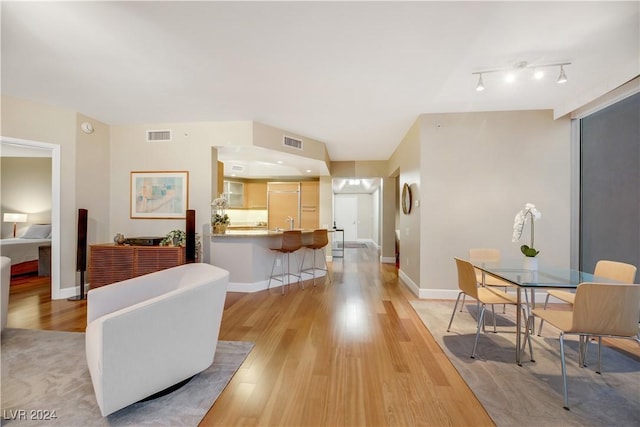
pixel 533 306
pixel 518 325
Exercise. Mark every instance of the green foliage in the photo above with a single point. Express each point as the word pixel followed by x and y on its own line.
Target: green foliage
pixel 530 252
pixel 220 219
pixel 175 238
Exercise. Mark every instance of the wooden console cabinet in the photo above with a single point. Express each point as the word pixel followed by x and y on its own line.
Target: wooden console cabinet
pixel 110 263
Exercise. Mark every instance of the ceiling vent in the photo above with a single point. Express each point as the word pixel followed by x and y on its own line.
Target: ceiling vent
pixel 292 142
pixel 158 135
pixel 237 168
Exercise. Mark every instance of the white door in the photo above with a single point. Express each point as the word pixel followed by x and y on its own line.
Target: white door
pixel 346 215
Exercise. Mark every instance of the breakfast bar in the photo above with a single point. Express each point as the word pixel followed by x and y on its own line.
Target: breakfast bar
pixel 247 255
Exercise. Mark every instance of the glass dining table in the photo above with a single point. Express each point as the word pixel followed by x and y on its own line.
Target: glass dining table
pixel 544 276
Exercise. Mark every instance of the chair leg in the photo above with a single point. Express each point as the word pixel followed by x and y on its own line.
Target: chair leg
pixel 304 256
pixel 463 298
pixel 271 276
pixel 480 322
pixel 326 266
pixel 313 266
pixel 454 310
pixel 564 373
pixel 299 275
pixel 599 371
pixel 493 314
pixel 504 306
pixel 546 301
pixel 283 272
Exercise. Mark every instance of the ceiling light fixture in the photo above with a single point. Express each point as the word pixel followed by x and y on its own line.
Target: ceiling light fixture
pixel 538 74
pixel 480 86
pixel 562 78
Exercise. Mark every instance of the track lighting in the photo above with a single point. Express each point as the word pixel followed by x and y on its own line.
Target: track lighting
pixel 538 73
pixel 562 78
pixel 480 86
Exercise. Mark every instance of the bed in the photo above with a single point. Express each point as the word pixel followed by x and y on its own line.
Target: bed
pixel 24 250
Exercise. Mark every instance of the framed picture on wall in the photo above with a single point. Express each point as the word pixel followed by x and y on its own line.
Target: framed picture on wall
pixel 159 194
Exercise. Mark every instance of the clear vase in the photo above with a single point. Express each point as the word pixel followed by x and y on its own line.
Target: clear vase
pixel 530 263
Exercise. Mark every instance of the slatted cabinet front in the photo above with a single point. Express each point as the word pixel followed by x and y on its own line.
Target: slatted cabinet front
pixel 110 263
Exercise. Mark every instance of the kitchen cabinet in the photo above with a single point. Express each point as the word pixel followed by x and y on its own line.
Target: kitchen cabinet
pixel 309 204
pixel 284 203
pixel 256 195
pixel 220 183
pixel 234 193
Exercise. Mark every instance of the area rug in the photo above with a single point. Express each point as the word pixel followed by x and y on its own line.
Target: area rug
pixel 531 395
pixel 45 373
pixel 352 245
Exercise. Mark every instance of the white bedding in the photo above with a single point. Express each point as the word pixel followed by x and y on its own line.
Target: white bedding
pixel 22 250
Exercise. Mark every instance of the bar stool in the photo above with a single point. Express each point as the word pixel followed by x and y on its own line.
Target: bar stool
pixel 291 242
pixel 319 239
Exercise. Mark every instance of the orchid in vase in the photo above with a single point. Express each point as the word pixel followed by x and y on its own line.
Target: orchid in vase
pixel 219 219
pixel 518 225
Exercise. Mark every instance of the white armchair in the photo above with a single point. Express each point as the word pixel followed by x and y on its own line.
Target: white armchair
pixel 5 282
pixel 151 332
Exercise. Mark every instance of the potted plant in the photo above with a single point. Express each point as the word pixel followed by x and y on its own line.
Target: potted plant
pixel 175 238
pixel 518 225
pixel 219 219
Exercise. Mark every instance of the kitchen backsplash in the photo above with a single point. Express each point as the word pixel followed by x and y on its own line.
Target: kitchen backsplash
pixel 247 217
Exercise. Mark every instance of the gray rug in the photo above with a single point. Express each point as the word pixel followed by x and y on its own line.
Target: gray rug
pixel 46 371
pixel 531 395
pixel 352 245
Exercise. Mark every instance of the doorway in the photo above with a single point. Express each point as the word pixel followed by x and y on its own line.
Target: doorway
pixel 346 215
pixel 51 150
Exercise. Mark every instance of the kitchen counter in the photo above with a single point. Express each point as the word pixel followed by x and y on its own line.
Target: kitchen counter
pixel 255 232
pixel 248 257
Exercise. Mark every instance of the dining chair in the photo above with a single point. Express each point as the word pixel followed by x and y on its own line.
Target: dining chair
pixel 599 309
pixel 484 296
pixel 614 270
pixel 487 255
pixel 319 239
pixel 291 242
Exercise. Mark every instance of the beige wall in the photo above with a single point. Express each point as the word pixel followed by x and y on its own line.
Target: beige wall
pixel 41 123
pixel 359 169
pixel 470 172
pixel 406 160
pixel 26 188
pixel 272 138
pixel 478 170
pixel 189 150
pixel 93 160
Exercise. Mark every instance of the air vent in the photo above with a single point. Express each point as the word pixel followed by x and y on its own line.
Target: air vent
pixel 158 135
pixel 292 142
pixel 237 168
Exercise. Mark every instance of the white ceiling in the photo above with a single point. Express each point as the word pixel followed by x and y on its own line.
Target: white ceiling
pixel 257 162
pixel 352 75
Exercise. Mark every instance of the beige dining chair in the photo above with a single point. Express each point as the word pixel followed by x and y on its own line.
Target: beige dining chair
pixel 614 270
pixel 487 255
pixel 599 309
pixel 483 296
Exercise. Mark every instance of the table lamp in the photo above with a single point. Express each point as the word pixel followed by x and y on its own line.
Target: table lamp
pixel 15 218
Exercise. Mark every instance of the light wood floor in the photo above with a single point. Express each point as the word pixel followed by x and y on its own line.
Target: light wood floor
pixel 347 353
